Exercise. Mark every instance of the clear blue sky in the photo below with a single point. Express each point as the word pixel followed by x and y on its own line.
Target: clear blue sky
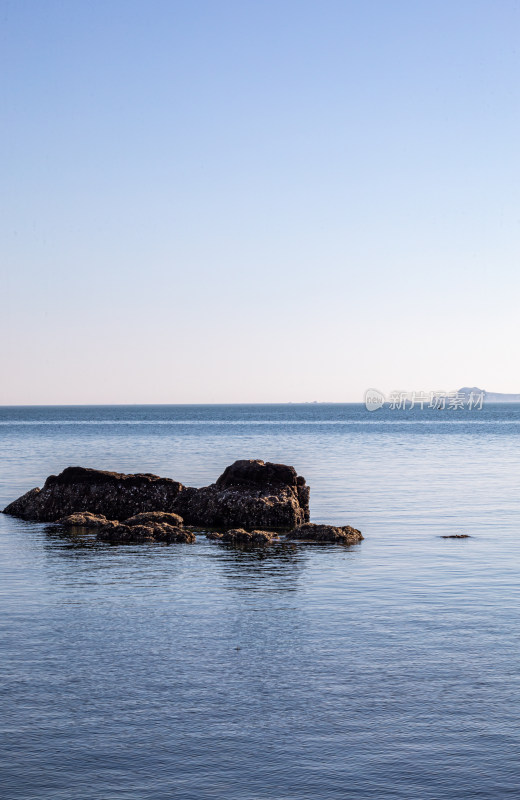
pixel 258 201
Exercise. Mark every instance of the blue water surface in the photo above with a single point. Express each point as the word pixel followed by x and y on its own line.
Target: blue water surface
pixel 298 672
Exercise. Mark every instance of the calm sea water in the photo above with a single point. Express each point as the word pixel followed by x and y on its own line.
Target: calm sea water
pixel 388 670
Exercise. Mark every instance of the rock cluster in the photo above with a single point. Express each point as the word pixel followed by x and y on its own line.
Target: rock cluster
pixel 150 526
pixel 150 532
pixel 248 502
pixel 250 494
pixel 308 532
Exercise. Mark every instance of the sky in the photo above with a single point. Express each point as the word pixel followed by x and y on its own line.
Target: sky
pixel 258 201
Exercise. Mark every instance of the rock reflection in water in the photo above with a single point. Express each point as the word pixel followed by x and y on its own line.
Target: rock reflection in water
pixel 278 567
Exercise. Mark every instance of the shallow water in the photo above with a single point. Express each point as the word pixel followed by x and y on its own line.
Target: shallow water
pixel 387 670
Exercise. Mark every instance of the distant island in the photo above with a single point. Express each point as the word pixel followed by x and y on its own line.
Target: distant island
pixel 489 397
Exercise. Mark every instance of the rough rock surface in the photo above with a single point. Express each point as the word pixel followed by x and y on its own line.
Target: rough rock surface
pixel 152 517
pixel 248 494
pixel 241 536
pixel 149 530
pixel 84 519
pixel 112 494
pixel 326 533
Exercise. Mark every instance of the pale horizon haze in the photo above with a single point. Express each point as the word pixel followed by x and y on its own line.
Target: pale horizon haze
pixel 211 202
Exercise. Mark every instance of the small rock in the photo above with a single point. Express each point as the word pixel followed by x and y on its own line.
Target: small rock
pixel 241 536
pixel 152 517
pixel 172 533
pixel 456 536
pixel 264 537
pixel 119 534
pixel 312 532
pixel 84 519
pixel 153 532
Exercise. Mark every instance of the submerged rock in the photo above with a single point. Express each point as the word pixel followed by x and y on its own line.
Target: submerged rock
pixel 78 489
pixel 312 532
pixel 84 519
pixel 249 494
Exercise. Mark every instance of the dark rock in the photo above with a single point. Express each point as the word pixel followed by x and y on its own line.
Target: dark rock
pixel 214 535
pixel 84 519
pixel 326 533
pixel 257 474
pixel 264 537
pixel 122 534
pixel 152 517
pixel 250 494
pixel 171 533
pixel 149 531
pixel 112 494
pixel 26 507
pixel 456 536
pixel 241 536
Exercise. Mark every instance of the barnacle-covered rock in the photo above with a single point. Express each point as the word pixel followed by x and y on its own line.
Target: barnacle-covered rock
pixel 153 517
pixel 148 532
pixel 312 532
pixel 241 536
pixel 112 494
pixel 249 494
pixel 84 519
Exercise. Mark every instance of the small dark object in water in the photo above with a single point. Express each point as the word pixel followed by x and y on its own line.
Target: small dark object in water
pixel 456 536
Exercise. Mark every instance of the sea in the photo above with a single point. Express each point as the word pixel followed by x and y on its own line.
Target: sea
pixel 387 670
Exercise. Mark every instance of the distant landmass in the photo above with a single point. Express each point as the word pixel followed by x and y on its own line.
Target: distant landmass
pixel 490 397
